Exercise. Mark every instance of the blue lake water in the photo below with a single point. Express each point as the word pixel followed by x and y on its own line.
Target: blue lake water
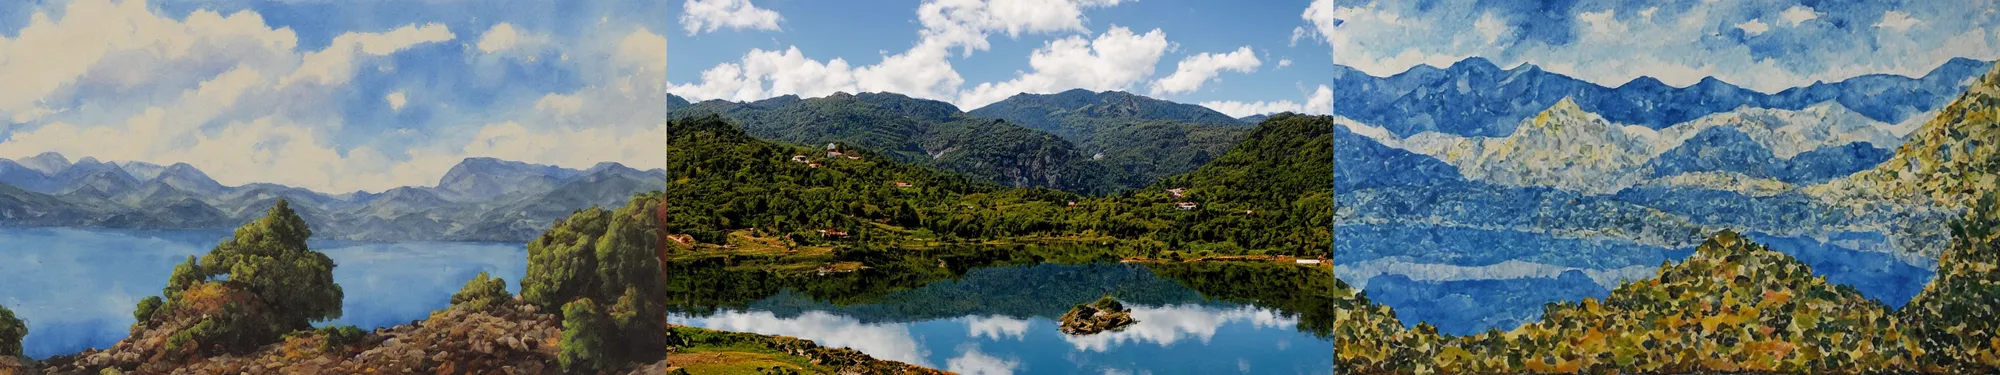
pixel 1466 281
pixel 76 288
pixel 1000 320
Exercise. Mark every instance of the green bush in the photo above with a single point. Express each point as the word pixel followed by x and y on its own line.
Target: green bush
pixel 146 309
pixel 583 331
pixel 269 257
pixel 609 256
pixel 12 329
pixel 481 293
pixel 336 337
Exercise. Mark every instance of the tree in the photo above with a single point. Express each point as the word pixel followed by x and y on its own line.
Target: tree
pixel 610 256
pixel 269 258
pixel 12 329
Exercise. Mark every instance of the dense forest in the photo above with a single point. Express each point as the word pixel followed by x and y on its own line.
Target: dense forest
pixel 1095 149
pixel 1269 194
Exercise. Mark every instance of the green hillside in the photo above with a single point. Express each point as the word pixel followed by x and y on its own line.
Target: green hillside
pixel 724 181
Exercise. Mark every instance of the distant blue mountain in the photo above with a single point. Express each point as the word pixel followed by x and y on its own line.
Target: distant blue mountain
pixel 1717 149
pixel 477 179
pixel 498 200
pixel 1476 98
pixel 1832 162
pixel 1468 307
pixel 1725 149
pixel 1360 162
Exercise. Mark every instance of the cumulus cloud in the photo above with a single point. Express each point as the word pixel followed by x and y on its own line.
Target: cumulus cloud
pixel 1166 325
pixel 396 100
pixel 1318 102
pixel 1789 44
pixel 1284 62
pixel 973 362
pixel 1897 20
pixel 1114 60
pixel 1196 70
pixel 239 99
pixel 923 71
pixel 699 16
pixel 505 37
pixel 997 327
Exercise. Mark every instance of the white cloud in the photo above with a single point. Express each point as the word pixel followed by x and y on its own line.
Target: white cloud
pixel 973 362
pixel 1385 38
pixel 1319 102
pixel 1321 15
pixel 923 71
pixel 1166 325
pixel 1284 62
pixel 1753 27
pixel 505 37
pixel 335 64
pixel 699 16
pixel 1897 20
pixel 997 327
pixel 1197 70
pixel 1798 14
pixel 237 98
pixel 397 100
pixel 1114 60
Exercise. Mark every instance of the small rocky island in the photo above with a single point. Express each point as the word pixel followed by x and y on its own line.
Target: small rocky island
pixel 1104 315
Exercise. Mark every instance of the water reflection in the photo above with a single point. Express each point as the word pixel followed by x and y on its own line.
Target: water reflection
pixel 981 312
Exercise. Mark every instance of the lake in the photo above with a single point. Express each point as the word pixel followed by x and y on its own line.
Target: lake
pixel 77 288
pixel 1001 319
pixel 1466 281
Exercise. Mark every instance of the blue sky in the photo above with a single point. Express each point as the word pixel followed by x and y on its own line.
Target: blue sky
pixel 335 96
pixel 1765 45
pixel 1239 57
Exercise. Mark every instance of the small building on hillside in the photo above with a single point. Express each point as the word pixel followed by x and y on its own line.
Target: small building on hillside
pixel 1177 192
pixel 1308 261
pixel 1184 206
pixel 798 158
pixel 903 185
pixel 832 151
pixel 813 164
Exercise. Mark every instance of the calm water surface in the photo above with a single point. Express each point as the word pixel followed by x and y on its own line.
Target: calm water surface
pixel 76 288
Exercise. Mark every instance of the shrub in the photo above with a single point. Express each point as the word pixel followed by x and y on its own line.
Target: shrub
pixel 146 309
pixel 12 329
pixel 608 258
pixel 482 293
pixel 582 348
pixel 336 337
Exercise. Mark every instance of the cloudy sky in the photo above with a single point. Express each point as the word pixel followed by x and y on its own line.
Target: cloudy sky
pixel 1240 58
pixel 1765 45
pixel 335 96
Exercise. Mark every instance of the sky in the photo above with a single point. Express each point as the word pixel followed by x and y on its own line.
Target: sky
pixel 335 96
pixel 1764 45
pixel 1238 57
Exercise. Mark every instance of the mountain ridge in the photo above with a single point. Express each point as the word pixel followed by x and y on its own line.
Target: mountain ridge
pixel 1474 97
pixel 181 196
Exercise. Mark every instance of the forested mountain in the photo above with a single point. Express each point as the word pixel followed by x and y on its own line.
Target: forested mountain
pixel 480 199
pixel 724 180
pixel 1078 144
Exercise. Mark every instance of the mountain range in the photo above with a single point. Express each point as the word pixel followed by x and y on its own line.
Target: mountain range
pixel 1476 98
pixel 1799 169
pixel 480 199
pixel 1077 140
